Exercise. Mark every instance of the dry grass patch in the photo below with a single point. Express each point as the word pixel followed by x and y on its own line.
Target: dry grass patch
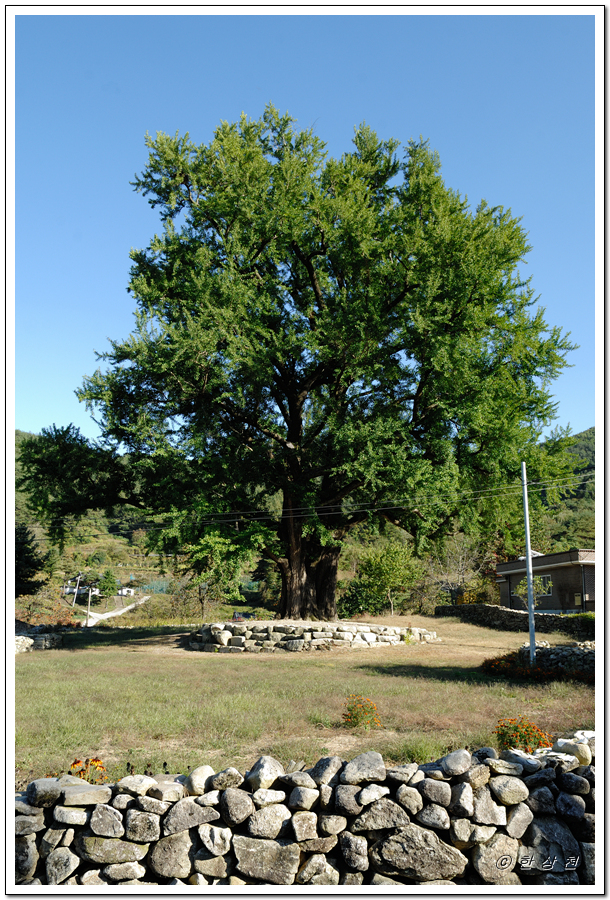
pixel 127 696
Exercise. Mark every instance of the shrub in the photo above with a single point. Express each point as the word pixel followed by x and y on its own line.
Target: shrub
pixel 92 770
pixel 511 665
pixel 360 711
pixel 521 734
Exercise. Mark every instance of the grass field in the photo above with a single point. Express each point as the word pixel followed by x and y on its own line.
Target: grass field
pixel 140 697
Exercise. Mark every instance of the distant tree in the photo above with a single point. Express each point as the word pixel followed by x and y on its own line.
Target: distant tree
pixel 384 575
pixel 108 585
pixel 344 335
pixel 29 562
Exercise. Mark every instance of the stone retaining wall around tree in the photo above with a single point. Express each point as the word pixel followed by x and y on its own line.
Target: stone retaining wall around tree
pixel 293 636
pixel 504 619
pixel 469 819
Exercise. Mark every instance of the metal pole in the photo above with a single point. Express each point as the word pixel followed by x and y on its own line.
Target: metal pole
pixel 88 607
pixel 528 566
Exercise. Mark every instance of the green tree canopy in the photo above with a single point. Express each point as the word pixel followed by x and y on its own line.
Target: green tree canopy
pixel 107 584
pixel 318 342
pixel 29 562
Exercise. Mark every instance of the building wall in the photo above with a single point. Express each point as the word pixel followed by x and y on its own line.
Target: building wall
pixel 567 582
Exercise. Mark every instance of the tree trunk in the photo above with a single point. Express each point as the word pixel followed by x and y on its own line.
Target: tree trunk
pixel 308 584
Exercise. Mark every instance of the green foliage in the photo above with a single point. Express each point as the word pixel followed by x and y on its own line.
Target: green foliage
pixel 384 576
pixel 108 585
pixel 344 337
pixel 360 712
pixel 29 562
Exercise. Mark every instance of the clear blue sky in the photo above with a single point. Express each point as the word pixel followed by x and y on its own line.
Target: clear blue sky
pixel 508 102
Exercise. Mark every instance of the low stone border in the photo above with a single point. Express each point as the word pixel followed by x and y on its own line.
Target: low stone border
pixel 505 619
pixel 465 819
pixel 297 636
pixel 24 643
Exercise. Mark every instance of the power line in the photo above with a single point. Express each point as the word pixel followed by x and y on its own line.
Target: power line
pixel 504 491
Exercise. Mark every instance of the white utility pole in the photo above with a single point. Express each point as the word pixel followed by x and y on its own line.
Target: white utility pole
pixel 528 566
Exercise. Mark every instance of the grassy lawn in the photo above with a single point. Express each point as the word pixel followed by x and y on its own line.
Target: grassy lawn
pixel 140 696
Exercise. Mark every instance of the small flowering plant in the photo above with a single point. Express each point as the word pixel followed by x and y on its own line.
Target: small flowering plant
pixel 360 711
pixel 91 770
pixel 521 734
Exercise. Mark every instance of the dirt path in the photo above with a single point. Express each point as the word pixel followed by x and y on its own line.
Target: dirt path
pixel 94 618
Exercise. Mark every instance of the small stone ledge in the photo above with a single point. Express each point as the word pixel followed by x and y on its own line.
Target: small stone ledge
pixel 301 636
pixel 504 619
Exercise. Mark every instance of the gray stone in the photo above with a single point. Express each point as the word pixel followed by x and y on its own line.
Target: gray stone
pixel 211 865
pixel 26 857
pixel 355 851
pixel 417 853
pixel 106 821
pixel 435 791
pixel 371 793
pixel 570 805
pixel 319 845
pixel 211 798
pixel 461 833
pixel 518 819
pixel 384 813
pixel 351 878
pixel 484 753
pixel 228 778
pixel 60 864
pixel 543 778
pixel 329 875
pixel 402 774
pixel 274 862
pixel 541 802
pixel 264 797
pixel 68 837
pixel 197 878
pixel 269 822
pixel 92 876
pixel 434 816
pixel 136 785
pixel 345 799
pixel 142 827
pixel 456 763
pixel 486 812
pixel 382 879
pixel 496 858
pixel 235 806
pixel 124 871
pixel 508 790
pixel 326 796
pixel 303 798
pixel 151 805
pixel 298 779
pixel 332 824
pixel 293 646
pixel 573 784
pixel 477 776
pixel 462 800
pixel 123 801
pixel 365 767
pixel 29 824
pixel 503 767
pixel 305 826
pixel 410 798
pixel 197 779
pixel 108 850
pixel 556 878
pixel 528 762
pixel 581 751
pixel 546 837
pixel 264 773
pixel 50 840
pixel 587 872
pixel 70 815
pixel 315 865
pixel 187 813
pixel 584 829
pixel 24 809
pixel 173 856
pixel 215 839
pixel 167 791
pixel 43 792
pixel 326 769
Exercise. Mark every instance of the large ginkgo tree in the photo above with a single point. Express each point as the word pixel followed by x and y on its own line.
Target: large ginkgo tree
pixel 318 342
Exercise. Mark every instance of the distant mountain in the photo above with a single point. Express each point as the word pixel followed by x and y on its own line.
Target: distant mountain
pixel 573 523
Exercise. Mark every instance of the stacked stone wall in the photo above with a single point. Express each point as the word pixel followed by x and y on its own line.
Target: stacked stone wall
pixel 473 819
pixel 301 636
pixel 504 619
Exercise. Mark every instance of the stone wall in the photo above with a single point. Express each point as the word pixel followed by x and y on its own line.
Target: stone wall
pixel 293 636
pixel 473 819
pixel 24 643
pixel 505 619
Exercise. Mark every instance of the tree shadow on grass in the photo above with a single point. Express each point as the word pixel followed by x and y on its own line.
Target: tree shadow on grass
pixel 437 673
pixel 92 639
